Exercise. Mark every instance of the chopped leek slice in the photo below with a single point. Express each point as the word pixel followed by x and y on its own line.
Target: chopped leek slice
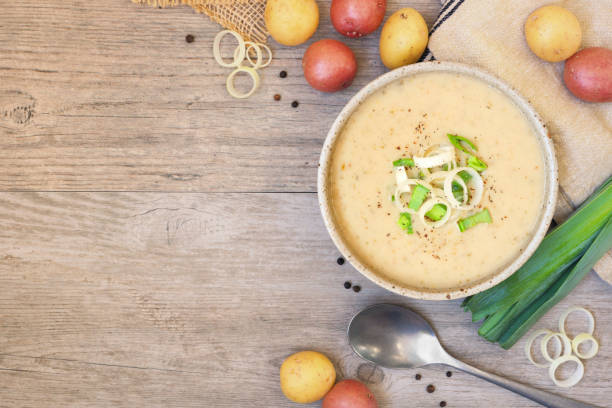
pixel 457 141
pixel 405 161
pixel 437 212
pixel 477 164
pixel 480 217
pixel 418 196
pixel 405 222
pixel 465 175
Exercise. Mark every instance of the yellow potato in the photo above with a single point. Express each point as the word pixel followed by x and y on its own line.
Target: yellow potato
pixel 306 376
pixel 291 22
pixel 553 33
pixel 403 38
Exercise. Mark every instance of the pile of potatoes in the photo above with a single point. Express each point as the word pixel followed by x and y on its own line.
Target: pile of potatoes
pixel 309 376
pixel 329 65
pixel 554 34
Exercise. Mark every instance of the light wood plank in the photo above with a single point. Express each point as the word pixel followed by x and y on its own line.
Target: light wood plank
pixel 133 299
pixel 109 96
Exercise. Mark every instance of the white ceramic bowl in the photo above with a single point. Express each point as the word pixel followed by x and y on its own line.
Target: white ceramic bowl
pixel 546 146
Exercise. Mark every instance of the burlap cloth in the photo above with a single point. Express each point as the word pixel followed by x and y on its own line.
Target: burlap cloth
pixel 489 34
pixel 242 16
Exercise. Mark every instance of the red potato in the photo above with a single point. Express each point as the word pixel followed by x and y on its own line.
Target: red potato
pixel 329 65
pixel 588 74
pixel 349 394
pixel 356 18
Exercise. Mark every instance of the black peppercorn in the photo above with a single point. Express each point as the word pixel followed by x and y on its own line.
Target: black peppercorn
pixel 347 285
pixel 283 74
pixel 189 38
pixel 442 404
pixel 356 288
pixel 430 388
pixel 449 374
pixel 340 261
pixel 295 104
pixel 418 377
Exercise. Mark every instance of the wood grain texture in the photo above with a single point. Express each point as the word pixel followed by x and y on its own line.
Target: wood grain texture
pixel 115 296
pixel 149 299
pixel 109 96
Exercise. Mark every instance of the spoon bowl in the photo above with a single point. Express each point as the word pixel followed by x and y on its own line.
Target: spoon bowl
pixel 396 337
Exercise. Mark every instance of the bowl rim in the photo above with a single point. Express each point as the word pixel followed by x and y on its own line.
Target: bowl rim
pixel 547 150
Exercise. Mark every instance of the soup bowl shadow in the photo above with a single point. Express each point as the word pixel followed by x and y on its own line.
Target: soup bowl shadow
pixel 550 192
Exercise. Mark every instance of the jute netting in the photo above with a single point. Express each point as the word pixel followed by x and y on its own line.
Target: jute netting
pixel 243 16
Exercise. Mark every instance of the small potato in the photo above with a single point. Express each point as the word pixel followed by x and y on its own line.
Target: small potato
pixel 350 394
pixel 356 18
pixel 291 22
pixel 306 376
pixel 403 38
pixel 553 33
pixel 329 65
pixel 588 74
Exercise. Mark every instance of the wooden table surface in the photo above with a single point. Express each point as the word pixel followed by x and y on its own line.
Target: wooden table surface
pixel 160 242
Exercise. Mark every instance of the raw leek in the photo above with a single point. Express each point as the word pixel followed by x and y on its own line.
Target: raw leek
pixel 405 222
pixel 480 217
pixel 564 257
pixel 418 196
pixel 406 162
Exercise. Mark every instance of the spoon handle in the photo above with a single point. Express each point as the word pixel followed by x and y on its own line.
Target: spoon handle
pixel 542 397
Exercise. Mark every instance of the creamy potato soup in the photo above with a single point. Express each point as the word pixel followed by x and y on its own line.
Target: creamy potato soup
pixel 406 119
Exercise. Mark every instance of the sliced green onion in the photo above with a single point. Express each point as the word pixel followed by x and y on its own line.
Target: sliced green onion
pixel 479 218
pixel 465 175
pixel 405 161
pixel 457 141
pixel 421 175
pixel 405 222
pixel 437 212
pixel 477 164
pixel 392 197
pixel 418 196
pixel 563 258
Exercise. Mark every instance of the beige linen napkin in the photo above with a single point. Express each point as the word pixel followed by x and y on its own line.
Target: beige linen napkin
pixel 489 34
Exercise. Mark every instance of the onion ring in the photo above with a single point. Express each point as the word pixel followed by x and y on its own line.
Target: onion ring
pixel 576 309
pixel 582 337
pixel 444 154
pixel 530 341
pixel 238 57
pixel 478 188
pixel 574 378
pixel 565 351
pixel 428 205
pixel 405 187
pixel 230 82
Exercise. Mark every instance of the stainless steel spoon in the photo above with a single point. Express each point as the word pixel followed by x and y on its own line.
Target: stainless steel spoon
pixel 396 337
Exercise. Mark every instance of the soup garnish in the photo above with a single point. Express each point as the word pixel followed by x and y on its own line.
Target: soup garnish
pixel 439 191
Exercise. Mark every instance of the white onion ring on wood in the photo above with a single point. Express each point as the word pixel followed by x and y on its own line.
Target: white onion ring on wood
pixel 265 47
pixel 249 45
pixel 572 309
pixel 230 82
pixel 565 351
pixel 581 338
pixel 238 56
pixel 428 205
pixel 530 341
pixel 574 378
pixel 474 200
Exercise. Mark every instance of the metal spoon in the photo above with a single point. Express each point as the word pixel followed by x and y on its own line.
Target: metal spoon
pixel 396 337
